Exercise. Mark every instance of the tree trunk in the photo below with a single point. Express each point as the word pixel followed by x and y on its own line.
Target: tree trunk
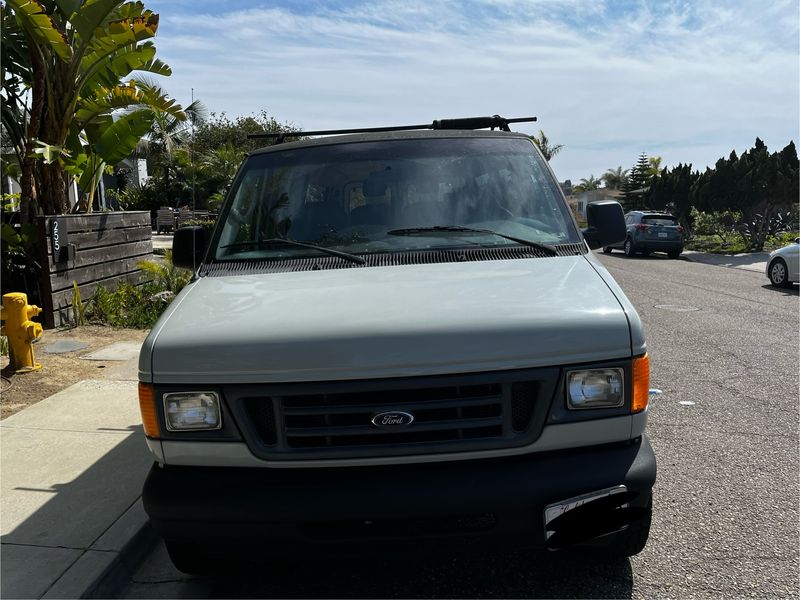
pixel 28 197
pixel 55 125
pixel 53 195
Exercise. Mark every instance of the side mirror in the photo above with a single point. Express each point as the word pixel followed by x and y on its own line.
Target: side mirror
pixel 189 247
pixel 606 224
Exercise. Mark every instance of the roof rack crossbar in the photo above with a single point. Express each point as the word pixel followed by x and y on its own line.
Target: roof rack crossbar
pixel 463 123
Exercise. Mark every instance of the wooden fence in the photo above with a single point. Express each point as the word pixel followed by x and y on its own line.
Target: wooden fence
pixel 100 249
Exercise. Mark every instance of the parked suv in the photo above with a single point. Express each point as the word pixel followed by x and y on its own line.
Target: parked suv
pixel 392 338
pixel 650 231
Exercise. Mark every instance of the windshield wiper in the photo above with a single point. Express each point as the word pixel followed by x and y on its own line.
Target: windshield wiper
pixel 288 242
pixel 462 229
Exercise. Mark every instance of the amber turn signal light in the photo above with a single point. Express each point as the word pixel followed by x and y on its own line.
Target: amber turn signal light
pixel 147 406
pixel 641 383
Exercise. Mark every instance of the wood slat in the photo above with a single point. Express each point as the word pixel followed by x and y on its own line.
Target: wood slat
pixel 106 237
pixel 106 220
pixel 83 275
pixel 103 254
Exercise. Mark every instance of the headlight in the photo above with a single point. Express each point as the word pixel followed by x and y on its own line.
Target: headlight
pixel 595 388
pixel 192 411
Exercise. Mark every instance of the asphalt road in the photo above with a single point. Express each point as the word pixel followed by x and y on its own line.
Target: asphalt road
pixel 724 350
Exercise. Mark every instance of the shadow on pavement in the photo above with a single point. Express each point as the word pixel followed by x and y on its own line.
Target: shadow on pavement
pixel 42 547
pixel 652 256
pixel 792 291
pixel 519 574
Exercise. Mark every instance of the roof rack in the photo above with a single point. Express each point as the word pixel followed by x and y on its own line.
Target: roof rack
pixel 463 123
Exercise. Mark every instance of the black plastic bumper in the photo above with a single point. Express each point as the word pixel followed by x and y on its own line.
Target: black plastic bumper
pixel 283 510
pixel 656 246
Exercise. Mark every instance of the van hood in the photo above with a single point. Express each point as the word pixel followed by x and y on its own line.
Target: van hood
pixel 366 323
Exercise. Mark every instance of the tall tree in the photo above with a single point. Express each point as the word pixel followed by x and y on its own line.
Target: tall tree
pixel 762 187
pixel 654 167
pixel 547 148
pixel 672 191
pixel 79 52
pixel 637 186
pixel 615 178
pixel 587 185
pixel 219 130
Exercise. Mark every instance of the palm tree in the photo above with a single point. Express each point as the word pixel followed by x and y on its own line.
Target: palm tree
pixel 615 178
pixel 222 163
pixel 587 185
pixel 167 134
pixel 655 166
pixel 547 149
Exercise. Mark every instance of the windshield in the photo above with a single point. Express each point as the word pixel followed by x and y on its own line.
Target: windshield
pixel 352 197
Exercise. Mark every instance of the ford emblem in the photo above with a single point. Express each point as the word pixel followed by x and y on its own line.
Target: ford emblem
pixel 391 420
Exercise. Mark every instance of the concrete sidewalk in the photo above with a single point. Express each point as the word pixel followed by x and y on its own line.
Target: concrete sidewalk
pixel 73 466
pixel 161 243
pixel 753 261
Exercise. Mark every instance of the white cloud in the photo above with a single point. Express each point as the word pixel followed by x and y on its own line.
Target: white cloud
pixel 687 81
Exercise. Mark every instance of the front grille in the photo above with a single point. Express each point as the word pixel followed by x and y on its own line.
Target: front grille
pixel 440 414
pixel 336 421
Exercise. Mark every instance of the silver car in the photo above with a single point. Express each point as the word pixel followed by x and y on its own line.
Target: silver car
pixel 783 265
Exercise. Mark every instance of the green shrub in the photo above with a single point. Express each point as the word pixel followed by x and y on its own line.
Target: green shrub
pixel 720 224
pixel 780 240
pixel 130 198
pixel 128 306
pixel 139 307
pixel 166 276
pixel 711 243
pixel 207 224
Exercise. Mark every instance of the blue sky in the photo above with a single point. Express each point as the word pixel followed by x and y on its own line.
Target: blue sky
pixel 687 81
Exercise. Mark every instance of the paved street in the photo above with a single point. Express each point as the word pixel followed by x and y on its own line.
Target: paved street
pixel 724 350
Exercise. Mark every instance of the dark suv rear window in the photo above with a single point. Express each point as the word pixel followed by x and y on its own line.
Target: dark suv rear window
pixel 659 220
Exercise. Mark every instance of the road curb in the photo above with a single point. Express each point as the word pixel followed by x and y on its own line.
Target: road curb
pixel 105 568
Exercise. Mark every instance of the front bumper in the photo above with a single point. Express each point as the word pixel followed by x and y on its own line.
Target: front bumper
pixel 288 511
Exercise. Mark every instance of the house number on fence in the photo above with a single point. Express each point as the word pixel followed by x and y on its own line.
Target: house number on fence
pixel 58 238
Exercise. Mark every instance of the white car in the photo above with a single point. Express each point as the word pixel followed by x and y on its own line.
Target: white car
pixel 783 266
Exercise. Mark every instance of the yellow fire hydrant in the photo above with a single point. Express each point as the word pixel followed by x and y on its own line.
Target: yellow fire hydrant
pixel 20 331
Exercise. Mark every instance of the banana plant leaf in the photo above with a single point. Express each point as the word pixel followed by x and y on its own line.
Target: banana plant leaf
pixel 121 63
pixel 32 17
pixel 120 138
pixel 124 96
pixel 91 15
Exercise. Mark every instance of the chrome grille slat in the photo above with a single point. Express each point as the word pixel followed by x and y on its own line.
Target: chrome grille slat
pixel 357 430
pixel 362 408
